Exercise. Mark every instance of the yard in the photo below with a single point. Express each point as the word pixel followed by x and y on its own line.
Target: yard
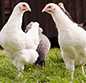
pixel 53 72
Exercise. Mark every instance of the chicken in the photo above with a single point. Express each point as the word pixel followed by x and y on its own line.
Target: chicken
pixel 43 49
pixel 71 37
pixel 14 40
pixel 43 46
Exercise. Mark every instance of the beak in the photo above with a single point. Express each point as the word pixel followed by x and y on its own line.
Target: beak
pixel 29 9
pixel 44 9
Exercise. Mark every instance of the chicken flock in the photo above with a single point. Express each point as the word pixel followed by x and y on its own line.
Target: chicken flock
pixel 32 46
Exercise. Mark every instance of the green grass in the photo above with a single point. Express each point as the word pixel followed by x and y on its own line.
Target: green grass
pixel 53 72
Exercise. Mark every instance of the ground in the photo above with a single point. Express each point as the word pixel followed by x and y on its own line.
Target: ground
pixel 53 72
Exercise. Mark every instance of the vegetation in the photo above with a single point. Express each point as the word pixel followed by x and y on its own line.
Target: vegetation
pixel 53 72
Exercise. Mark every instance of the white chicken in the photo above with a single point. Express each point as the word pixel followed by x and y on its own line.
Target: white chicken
pixel 72 38
pixel 43 46
pixel 14 40
pixel 33 34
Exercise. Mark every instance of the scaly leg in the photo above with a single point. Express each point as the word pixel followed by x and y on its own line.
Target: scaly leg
pixel 72 74
pixel 71 67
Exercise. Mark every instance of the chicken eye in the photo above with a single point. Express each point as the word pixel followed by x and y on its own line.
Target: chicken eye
pixel 24 5
pixel 49 6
